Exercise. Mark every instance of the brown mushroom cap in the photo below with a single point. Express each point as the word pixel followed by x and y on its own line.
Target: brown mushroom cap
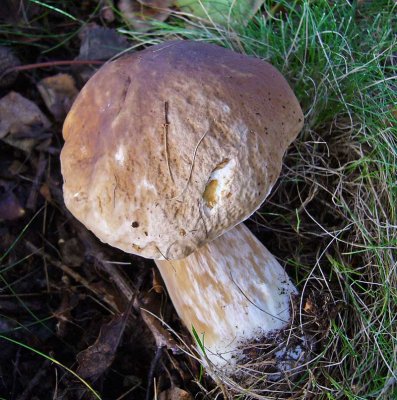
pixel 168 148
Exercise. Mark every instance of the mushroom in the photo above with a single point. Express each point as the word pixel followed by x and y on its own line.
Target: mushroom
pixel 166 151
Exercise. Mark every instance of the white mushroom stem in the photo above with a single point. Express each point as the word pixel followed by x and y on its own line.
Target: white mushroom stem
pixel 232 291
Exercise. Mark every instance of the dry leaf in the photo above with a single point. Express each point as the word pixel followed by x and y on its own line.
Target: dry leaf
pixel 157 283
pixel 139 13
pixel 174 393
pixel 106 11
pixel 16 167
pixel 309 306
pixel 150 306
pixel 96 359
pixel 10 207
pixel 63 313
pixel 45 192
pixel 17 12
pixel 7 61
pixel 72 252
pixel 21 121
pixel 58 93
pixel 99 43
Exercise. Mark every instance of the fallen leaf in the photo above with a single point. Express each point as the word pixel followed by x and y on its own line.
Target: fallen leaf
pixel 221 12
pixel 7 61
pixel 106 11
pixel 46 192
pixel 17 11
pixel 99 43
pixel 174 393
pixel 9 10
pixel 10 206
pixel 149 305
pixel 40 164
pixel 16 167
pixel 21 121
pixel 309 306
pixel 58 93
pixel 63 313
pixel 157 283
pixel 139 13
pixel 96 359
pixel 72 252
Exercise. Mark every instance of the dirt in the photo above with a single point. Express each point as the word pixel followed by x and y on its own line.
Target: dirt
pixel 62 292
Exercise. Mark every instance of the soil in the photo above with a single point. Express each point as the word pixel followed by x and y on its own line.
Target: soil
pixel 62 292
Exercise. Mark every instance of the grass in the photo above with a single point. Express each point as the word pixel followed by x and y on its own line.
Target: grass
pixel 332 217
pixel 338 190
pixel 53 360
pixel 339 59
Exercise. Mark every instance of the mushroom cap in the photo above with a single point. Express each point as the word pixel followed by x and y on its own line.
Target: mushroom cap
pixel 167 148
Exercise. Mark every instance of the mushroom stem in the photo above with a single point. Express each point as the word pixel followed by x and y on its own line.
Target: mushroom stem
pixel 232 291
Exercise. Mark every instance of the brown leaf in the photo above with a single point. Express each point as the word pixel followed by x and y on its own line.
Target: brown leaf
pixel 106 11
pixel 7 61
pixel 16 167
pixel 40 165
pixel 309 306
pixel 139 12
pixel 72 252
pixel 150 306
pixel 63 313
pixel 9 10
pixel 17 11
pixel 99 43
pixel 21 121
pixel 174 393
pixel 58 93
pixel 158 285
pixel 10 207
pixel 45 192
pixel 96 359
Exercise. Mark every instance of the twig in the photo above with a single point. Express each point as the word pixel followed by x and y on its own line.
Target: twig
pixel 118 279
pixel 77 277
pixel 113 271
pixel 165 128
pixel 32 199
pixel 162 337
pixel 152 370
pixel 48 64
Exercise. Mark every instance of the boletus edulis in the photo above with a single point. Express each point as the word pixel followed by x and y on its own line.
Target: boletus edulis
pixel 166 152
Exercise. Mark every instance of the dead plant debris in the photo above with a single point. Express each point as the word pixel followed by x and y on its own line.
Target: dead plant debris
pixel 58 93
pixel 22 123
